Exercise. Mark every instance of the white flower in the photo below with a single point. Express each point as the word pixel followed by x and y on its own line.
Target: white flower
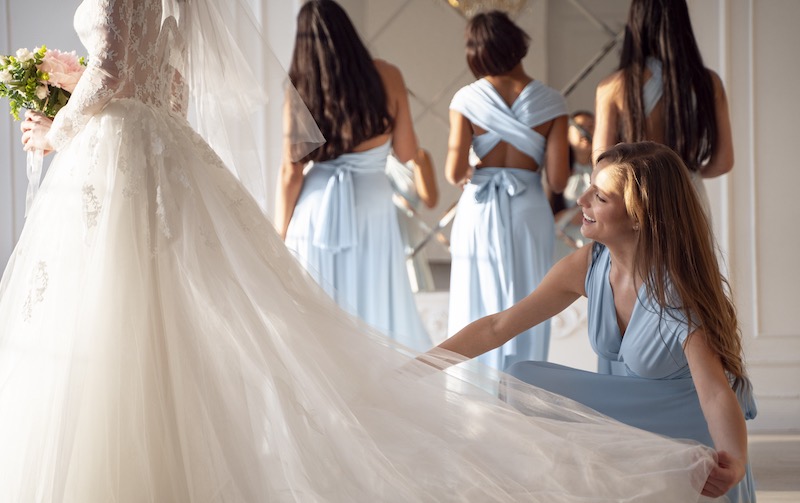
pixel 24 55
pixel 41 92
pixel 5 76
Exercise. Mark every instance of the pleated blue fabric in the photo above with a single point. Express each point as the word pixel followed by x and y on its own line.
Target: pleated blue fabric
pixel 344 230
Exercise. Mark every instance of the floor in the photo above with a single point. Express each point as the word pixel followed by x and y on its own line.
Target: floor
pixel 776 467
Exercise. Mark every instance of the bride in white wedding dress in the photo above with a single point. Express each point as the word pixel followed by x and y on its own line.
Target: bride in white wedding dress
pixel 159 344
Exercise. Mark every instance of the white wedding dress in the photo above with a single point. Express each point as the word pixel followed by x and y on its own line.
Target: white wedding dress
pixel 158 343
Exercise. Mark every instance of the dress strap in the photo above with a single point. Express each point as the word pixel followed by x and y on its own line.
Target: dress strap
pixel 654 87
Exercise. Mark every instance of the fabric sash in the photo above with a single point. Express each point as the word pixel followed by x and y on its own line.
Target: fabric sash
pixel 495 187
pixel 336 227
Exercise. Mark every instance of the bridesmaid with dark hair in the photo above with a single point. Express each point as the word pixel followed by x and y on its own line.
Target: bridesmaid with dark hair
pixel 663 92
pixel 502 241
pixel 334 207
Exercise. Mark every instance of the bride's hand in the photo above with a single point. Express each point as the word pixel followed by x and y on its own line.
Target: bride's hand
pixel 34 130
pixel 726 474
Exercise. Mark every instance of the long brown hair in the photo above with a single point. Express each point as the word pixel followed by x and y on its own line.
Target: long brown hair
pixel 675 252
pixel 662 29
pixel 336 78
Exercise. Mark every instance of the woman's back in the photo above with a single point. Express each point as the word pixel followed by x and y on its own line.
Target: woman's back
pixel 660 56
pixel 505 154
pixel 511 121
pixel 401 133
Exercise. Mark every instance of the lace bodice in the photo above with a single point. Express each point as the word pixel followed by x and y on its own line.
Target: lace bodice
pixel 134 52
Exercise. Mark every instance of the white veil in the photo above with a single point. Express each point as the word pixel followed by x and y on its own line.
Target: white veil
pixel 235 84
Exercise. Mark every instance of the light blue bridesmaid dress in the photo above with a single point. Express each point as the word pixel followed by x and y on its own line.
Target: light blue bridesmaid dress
pixel 344 230
pixel 502 240
pixel 654 390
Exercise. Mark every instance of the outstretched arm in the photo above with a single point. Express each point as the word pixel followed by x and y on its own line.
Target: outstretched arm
pixel 723 415
pixel 559 288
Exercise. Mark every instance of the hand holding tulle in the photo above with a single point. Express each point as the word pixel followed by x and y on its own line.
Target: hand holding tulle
pixel 34 130
pixel 726 474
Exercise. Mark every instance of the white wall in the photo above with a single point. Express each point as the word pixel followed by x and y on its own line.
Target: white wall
pixel 752 44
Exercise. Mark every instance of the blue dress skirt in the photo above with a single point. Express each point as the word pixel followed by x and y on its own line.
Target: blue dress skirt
pixel 344 230
pixel 502 246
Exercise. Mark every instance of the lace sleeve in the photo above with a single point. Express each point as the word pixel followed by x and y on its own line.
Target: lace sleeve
pixel 179 87
pixel 105 74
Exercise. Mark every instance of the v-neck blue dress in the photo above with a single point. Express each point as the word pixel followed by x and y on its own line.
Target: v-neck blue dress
pixel 653 389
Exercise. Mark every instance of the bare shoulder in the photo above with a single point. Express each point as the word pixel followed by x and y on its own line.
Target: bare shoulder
pixel 388 71
pixel 716 81
pixel 610 88
pixel 612 82
pixel 570 272
pixel 392 79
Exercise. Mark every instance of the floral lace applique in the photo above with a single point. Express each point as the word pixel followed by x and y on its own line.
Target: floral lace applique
pixel 209 238
pixel 161 211
pixel 39 282
pixel 133 178
pixel 91 206
pixel 94 161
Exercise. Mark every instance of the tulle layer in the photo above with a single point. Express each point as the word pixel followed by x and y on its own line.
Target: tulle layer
pixel 158 343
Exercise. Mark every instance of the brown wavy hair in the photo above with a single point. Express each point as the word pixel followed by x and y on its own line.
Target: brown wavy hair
pixel 662 29
pixel 336 78
pixel 675 252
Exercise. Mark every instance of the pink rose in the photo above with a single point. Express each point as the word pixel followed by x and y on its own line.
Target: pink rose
pixel 63 68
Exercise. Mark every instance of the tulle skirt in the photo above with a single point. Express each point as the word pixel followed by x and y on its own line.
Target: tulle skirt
pixel 159 344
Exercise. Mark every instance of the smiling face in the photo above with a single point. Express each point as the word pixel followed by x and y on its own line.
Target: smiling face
pixel 605 217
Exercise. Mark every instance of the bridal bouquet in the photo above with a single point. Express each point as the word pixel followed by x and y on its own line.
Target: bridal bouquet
pixel 42 80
